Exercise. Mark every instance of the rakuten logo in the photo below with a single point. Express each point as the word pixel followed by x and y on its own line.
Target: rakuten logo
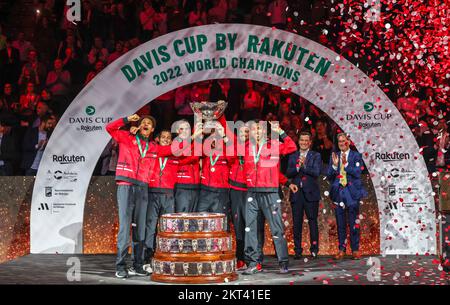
pixel 390 157
pixel 66 159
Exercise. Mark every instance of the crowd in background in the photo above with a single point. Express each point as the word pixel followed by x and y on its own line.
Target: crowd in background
pixel 42 72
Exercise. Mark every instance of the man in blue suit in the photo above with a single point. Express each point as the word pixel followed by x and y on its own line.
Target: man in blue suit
pixel 304 168
pixel 344 173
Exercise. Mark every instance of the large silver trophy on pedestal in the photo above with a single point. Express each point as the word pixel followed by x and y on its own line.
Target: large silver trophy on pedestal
pixel 208 112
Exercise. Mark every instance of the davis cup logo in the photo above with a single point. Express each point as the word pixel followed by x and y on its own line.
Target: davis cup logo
pixel 368 107
pixel 90 110
pixel 89 122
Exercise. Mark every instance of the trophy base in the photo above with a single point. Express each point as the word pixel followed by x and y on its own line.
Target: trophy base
pixel 224 278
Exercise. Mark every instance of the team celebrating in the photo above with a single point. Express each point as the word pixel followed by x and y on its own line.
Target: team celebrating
pixel 212 169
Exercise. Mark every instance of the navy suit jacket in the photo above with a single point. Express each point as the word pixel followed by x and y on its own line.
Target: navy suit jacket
pixel 30 141
pixel 353 170
pixel 307 175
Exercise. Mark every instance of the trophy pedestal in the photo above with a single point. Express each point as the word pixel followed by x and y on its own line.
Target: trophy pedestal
pixel 194 248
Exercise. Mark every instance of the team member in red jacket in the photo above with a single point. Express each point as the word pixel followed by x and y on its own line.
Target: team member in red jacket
pixel 214 185
pixel 238 195
pixel 161 182
pixel 262 167
pixel 161 186
pixel 188 177
pixel 131 175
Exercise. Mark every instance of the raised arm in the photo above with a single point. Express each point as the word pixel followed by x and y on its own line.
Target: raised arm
pixel 287 146
pixel 114 130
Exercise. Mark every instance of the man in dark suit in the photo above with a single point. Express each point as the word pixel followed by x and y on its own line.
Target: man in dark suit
pixel 9 64
pixel 9 153
pixel 34 143
pixel 304 168
pixel 344 173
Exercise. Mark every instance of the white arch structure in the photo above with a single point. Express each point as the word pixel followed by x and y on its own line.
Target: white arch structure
pixel 346 94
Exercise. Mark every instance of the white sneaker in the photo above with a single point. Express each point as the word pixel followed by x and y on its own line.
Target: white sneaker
pixel 148 268
pixel 139 272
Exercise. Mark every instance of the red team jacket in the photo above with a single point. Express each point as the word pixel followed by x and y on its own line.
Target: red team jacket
pixel 238 178
pixel 215 178
pixel 188 176
pixel 131 167
pixel 163 180
pixel 264 175
pixel 229 172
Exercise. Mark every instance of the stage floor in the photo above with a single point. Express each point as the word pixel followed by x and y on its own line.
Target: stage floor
pixel 99 269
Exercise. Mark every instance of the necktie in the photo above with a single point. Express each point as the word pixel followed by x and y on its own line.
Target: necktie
pixel 343 174
pixel 298 163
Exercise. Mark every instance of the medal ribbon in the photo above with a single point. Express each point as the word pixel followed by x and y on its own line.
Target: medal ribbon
pixel 140 147
pixel 257 155
pixel 162 165
pixel 213 162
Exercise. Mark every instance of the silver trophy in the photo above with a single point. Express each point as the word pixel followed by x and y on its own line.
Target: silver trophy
pixel 208 111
